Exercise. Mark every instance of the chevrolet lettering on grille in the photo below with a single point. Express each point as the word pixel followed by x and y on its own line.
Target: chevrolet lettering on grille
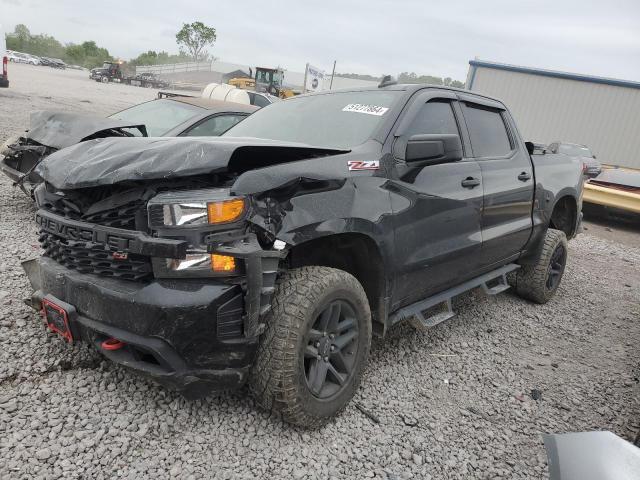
pixel 124 241
pixel 72 230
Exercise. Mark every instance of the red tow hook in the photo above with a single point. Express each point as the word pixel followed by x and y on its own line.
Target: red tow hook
pixel 112 344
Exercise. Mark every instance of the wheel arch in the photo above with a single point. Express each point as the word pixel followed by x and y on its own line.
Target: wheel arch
pixel 356 253
pixel 564 215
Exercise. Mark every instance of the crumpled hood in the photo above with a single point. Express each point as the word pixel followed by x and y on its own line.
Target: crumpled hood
pixel 61 129
pixel 107 161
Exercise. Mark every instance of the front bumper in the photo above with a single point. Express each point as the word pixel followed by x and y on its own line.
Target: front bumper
pixel 187 335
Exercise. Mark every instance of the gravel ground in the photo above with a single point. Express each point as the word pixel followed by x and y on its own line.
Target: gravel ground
pixel 454 402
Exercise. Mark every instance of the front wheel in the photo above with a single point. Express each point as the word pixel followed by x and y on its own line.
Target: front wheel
pixel 315 347
pixel 539 282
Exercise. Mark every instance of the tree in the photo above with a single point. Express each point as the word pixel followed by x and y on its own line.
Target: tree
pixel 90 49
pixel 406 77
pixel 75 53
pixel 20 38
pixel 194 37
pixel 87 54
pixel 151 57
pixel 22 33
pixel 358 76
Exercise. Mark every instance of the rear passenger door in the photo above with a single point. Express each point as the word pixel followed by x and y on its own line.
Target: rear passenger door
pixel 507 176
pixel 437 207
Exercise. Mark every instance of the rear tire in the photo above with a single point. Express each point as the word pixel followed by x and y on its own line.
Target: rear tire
pixel 315 347
pixel 540 281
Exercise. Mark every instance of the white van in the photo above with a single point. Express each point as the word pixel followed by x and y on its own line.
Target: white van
pixel 4 75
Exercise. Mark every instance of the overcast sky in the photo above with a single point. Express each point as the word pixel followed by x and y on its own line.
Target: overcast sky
pixel 364 36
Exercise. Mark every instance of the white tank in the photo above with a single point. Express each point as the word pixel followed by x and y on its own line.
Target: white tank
pixel 227 93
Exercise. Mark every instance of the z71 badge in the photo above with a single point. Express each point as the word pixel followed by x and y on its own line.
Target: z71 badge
pixel 363 165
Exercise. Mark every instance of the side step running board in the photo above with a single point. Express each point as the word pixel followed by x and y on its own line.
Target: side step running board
pixel 492 283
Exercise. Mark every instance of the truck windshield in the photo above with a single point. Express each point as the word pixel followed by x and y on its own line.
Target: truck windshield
pixel 159 116
pixel 336 120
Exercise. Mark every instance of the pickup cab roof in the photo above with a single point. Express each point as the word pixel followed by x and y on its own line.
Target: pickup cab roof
pixel 410 88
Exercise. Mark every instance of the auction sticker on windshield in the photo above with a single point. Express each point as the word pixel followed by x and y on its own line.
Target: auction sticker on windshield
pixel 368 109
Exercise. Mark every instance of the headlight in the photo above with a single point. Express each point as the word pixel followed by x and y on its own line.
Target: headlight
pixel 170 210
pixel 186 214
pixel 192 215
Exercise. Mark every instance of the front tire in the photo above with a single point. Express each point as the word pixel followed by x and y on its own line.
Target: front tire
pixel 315 347
pixel 540 281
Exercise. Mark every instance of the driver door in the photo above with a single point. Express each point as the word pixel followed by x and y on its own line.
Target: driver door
pixel 437 206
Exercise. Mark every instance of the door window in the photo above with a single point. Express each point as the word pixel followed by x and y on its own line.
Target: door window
pixel 214 126
pixel 434 117
pixel 487 131
pixel 258 100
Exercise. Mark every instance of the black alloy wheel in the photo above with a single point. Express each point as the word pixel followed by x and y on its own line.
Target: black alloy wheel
pixel 331 350
pixel 556 267
pixel 313 352
pixel 539 281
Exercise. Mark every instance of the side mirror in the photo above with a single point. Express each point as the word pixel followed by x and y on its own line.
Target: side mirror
pixel 530 147
pixel 434 148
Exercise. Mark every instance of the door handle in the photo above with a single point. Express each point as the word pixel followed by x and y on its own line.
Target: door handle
pixel 524 176
pixel 470 182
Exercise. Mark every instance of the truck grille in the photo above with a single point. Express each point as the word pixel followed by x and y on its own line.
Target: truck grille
pixel 96 258
pixel 126 211
pixel 123 216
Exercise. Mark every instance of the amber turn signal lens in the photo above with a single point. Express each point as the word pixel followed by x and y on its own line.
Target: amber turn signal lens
pixel 222 263
pixel 225 211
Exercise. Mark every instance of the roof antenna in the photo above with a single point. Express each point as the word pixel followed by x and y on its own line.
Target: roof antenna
pixel 387 80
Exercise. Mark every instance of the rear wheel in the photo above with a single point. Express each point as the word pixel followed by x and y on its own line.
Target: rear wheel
pixel 539 282
pixel 315 347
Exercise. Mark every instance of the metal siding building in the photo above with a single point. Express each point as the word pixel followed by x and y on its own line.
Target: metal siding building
pixel 602 113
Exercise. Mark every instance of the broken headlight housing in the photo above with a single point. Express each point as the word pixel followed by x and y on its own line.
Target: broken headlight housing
pixel 193 215
pixel 4 149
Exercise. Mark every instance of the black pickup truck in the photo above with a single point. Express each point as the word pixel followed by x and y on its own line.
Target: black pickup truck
pixel 271 255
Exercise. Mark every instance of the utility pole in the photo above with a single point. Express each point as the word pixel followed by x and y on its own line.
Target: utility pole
pixel 306 72
pixel 332 74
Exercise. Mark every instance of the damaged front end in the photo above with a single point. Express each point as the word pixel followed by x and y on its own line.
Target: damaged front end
pixel 49 132
pixel 18 159
pixel 154 253
pixel 171 273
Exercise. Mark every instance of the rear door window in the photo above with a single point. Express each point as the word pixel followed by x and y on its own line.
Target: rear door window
pixel 258 100
pixel 214 126
pixel 487 131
